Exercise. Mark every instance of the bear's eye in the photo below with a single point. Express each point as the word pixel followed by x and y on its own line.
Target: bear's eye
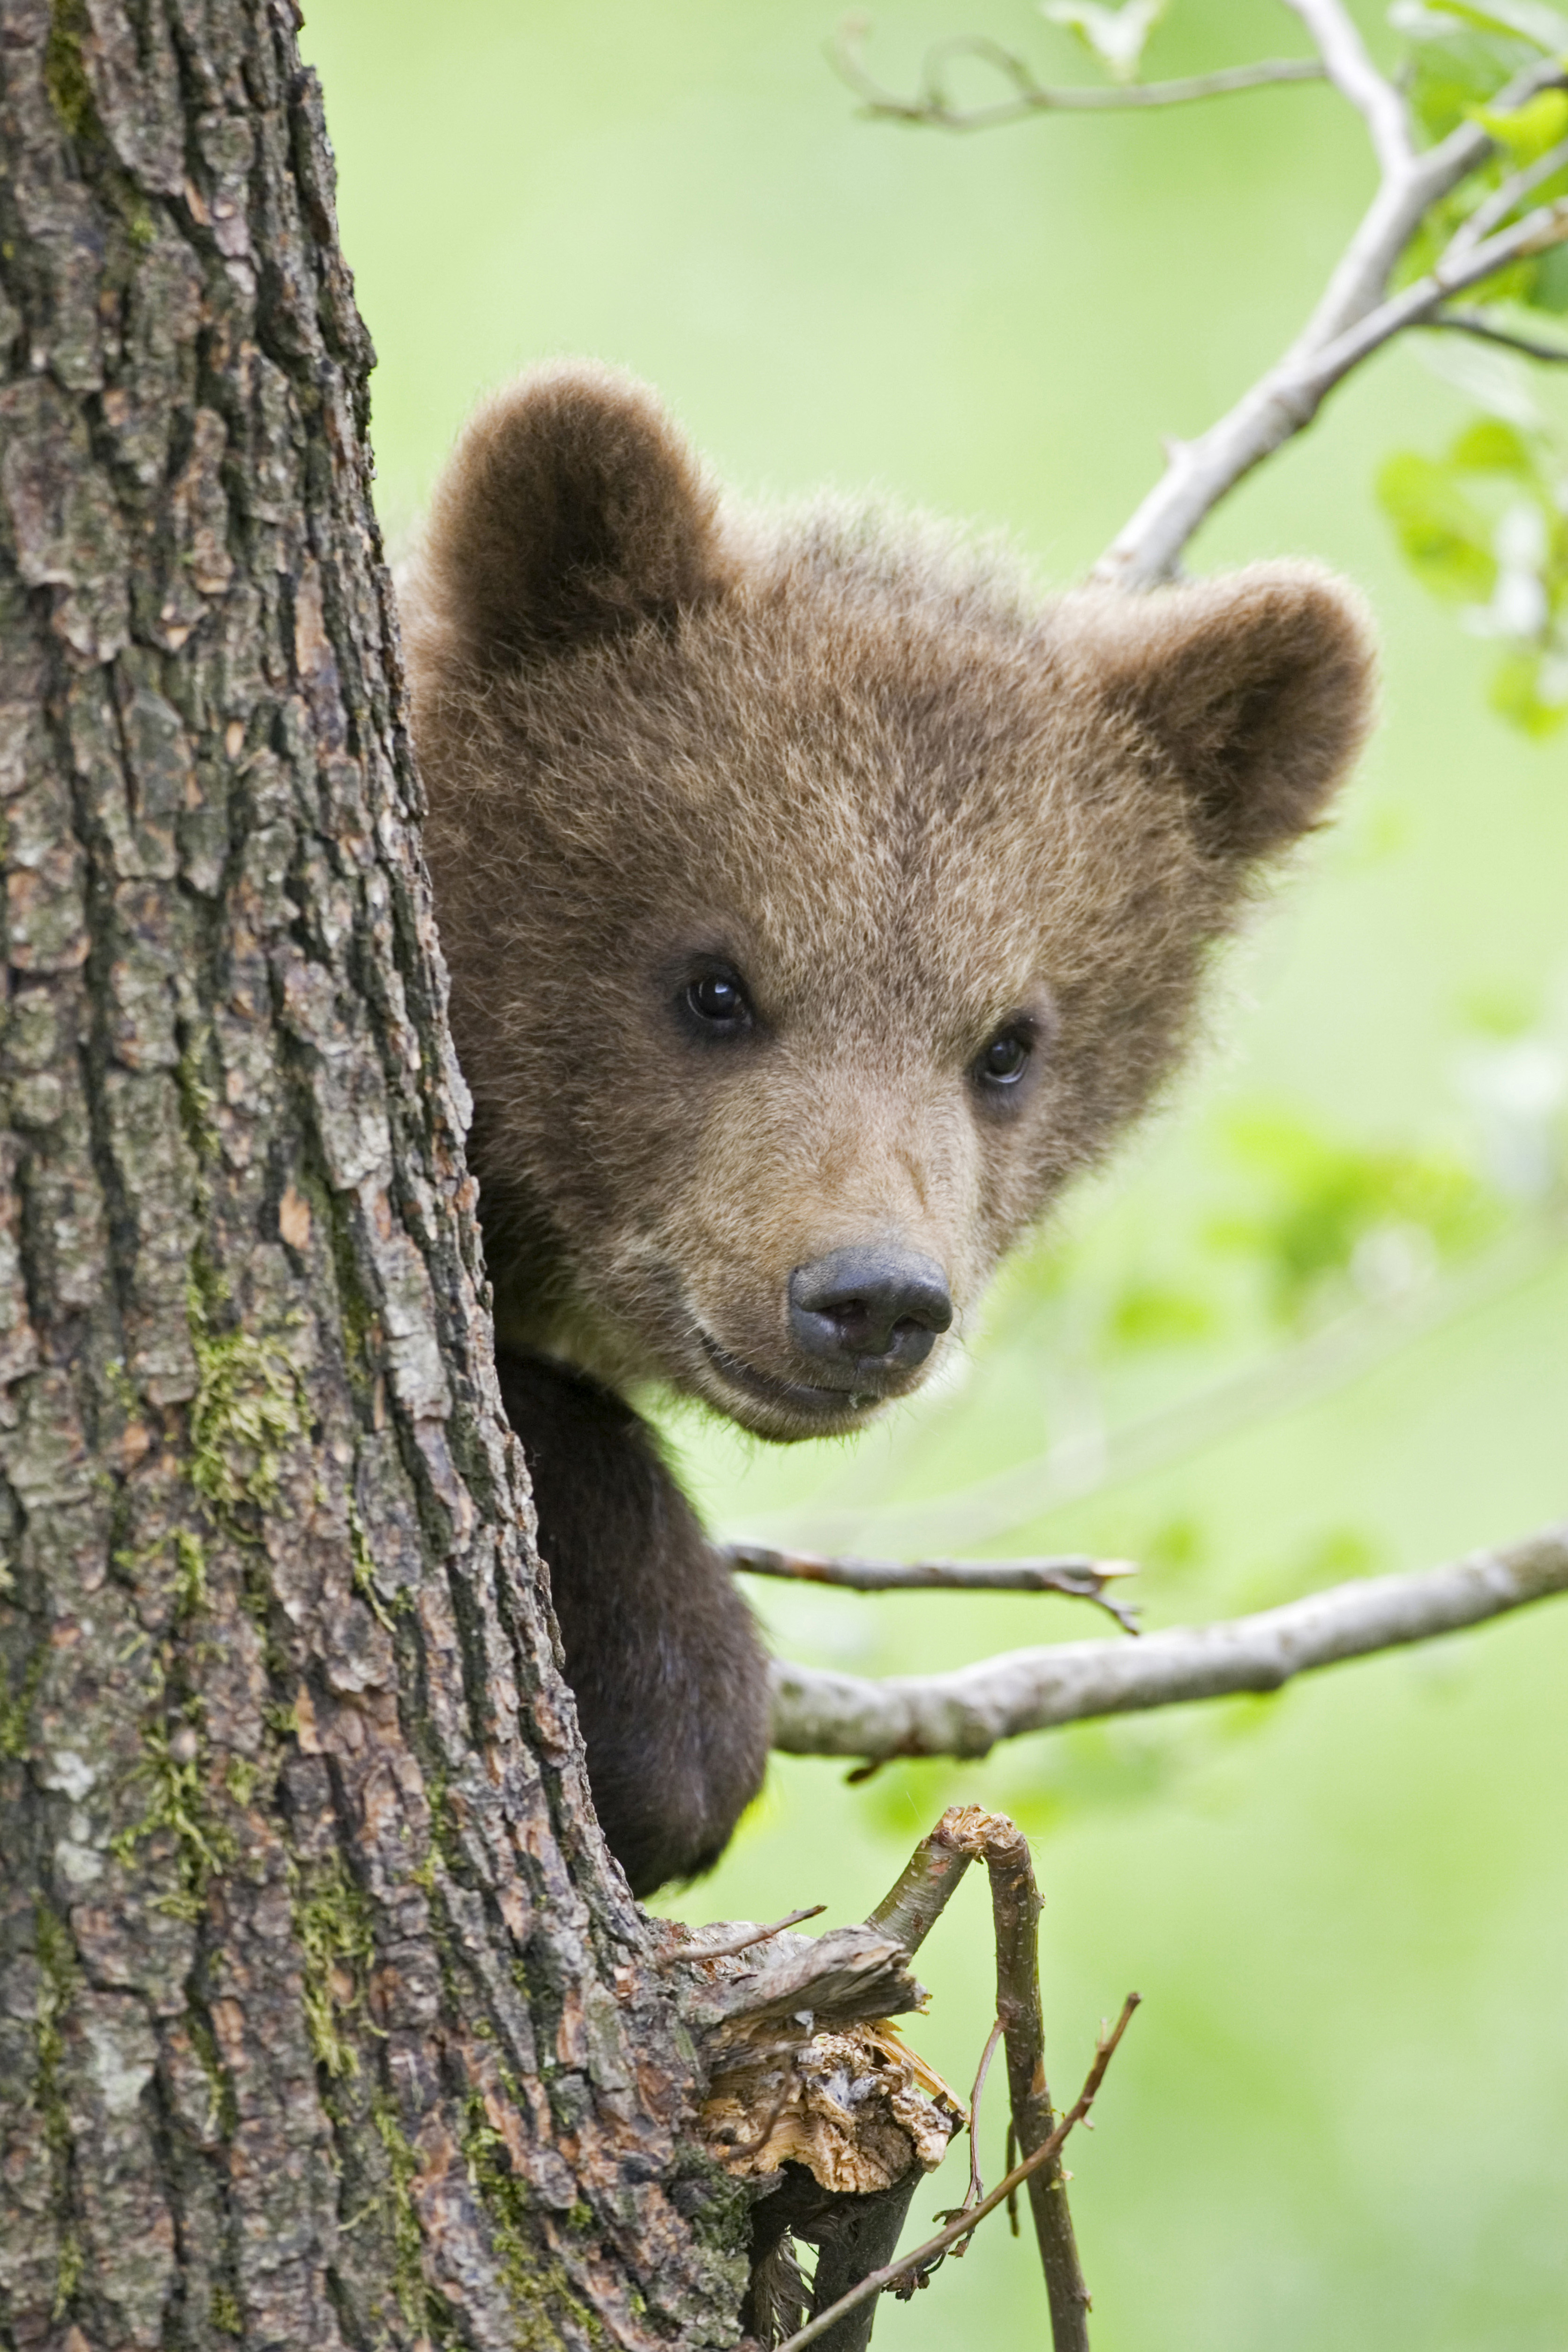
pixel 1006 1058
pixel 718 1001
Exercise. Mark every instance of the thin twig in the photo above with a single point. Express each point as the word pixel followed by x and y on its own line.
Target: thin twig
pixel 1074 1575
pixel 977 2189
pixel 819 1712
pixel 932 107
pixel 921 2256
pixel 1480 325
pixel 684 1954
pixel 964 1834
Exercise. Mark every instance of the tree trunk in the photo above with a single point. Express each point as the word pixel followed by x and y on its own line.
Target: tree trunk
pixel 324 2016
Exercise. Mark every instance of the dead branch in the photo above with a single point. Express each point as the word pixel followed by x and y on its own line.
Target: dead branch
pixel 920 2259
pixel 1015 1918
pixel 820 1713
pixel 932 105
pixel 924 1887
pixel 846 1975
pixel 1074 1575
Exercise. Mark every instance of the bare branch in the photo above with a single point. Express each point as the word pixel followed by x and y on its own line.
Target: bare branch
pixel 1355 76
pixel 932 107
pixel 977 2189
pixel 1480 325
pixel 819 1712
pixel 919 2259
pixel 1074 1575
pixel 849 1973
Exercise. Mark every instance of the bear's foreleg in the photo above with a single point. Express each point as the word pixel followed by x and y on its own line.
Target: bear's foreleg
pixel 662 1653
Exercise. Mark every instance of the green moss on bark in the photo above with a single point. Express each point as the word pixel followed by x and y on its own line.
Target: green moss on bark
pixel 65 74
pixel 333 1929
pixel 57 1984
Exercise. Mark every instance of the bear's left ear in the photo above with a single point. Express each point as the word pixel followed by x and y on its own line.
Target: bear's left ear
pixel 1257 687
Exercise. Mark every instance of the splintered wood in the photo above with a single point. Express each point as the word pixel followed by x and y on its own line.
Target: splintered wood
pixel 800 2073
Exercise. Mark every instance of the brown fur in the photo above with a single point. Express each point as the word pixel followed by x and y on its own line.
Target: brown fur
pixel 862 764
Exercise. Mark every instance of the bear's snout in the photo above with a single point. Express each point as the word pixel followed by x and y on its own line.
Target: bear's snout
pixel 871 1305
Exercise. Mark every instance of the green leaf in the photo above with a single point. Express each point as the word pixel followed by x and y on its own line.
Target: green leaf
pixel 1154 1314
pixel 1549 288
pixel 1527 131
pixel 1516 694
pixel 1490 447
pixel 1457 70
pixel 1322 1199
pixel 1446 539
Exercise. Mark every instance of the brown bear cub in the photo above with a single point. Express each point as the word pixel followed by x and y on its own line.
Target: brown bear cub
pixel 818 900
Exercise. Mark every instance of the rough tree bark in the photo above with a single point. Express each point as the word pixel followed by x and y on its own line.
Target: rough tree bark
pixel 324 2016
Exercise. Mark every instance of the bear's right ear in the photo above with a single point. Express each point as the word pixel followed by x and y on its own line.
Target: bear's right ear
pixel 1255 689
pixel 569 508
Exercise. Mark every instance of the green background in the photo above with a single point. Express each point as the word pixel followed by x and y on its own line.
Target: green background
pixel 1342 2117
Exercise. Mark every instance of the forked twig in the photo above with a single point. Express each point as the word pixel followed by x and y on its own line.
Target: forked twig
pixel 1030 95
pixel 921 2257
pixel 1074 1574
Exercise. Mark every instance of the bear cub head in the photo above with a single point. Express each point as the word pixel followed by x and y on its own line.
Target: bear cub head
pixel 817 898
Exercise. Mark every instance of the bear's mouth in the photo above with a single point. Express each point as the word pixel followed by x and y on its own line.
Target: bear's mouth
pixel 801 1398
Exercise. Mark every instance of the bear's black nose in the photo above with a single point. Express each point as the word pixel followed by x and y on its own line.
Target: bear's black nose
pixel 870 1302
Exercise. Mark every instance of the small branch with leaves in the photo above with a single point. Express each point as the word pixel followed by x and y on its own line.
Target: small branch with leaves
pixel 1361 308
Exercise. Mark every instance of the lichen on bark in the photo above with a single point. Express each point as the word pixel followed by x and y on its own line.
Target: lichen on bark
pixel 324 2016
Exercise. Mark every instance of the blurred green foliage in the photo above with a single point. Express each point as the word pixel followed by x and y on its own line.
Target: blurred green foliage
pixel 1486 526
pixel 1316 1326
